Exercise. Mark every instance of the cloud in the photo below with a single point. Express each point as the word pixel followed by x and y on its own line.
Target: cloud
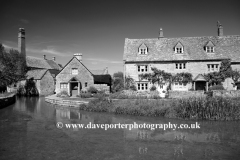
pixel 52 51
pixel 24 21
pixel 95 61
pixel 7 47
pixel 49 50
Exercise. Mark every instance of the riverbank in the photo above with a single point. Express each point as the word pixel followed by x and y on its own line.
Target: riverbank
pixel 7 99
pixel 217 108
pixel 70 102
pixel 211 108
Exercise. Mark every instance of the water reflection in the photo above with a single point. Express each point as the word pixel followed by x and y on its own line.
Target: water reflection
pixel 215 140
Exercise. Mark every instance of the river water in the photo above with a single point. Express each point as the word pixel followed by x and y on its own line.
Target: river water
pixel 28 131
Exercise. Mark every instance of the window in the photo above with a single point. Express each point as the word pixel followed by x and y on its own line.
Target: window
pixel 213 67
pixel 142 68
pixel 142 86
pixel 209 49
pixel 74 71
pixel 180 85
pixel 143 51
pixel 180 65
pixel 85 84
pixel 178 50
pixel 63 85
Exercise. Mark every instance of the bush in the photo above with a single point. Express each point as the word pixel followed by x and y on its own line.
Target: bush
pixel 92 89
pixel 133 87
pixel 216 87
pixel 63 94
pixel 153 88
pixel 86 95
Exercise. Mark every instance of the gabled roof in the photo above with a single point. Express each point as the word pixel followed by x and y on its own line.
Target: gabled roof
pixel 74 79
pixel 100 72
pixel 210 44
pixel 143 46
pixel 36 74
pixel 178 45
pixel 199 77
pixel 53 64
pixel 41 63
pixel 78 61
pixel 162 49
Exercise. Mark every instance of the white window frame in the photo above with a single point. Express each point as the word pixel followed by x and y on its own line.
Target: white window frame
pixel 180 85
pixel 142 68
pixel 142 86
pixel 213 67
pixel 180 66
pixel 63 85
pixel 209 49
pixel 178 50
pixel 74 71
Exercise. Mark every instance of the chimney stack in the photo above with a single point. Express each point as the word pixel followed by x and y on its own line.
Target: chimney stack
pixel 54 58
pixel 160 33
pixel 220 29
pixel 44 56
pixel 78 56
pixel 21 42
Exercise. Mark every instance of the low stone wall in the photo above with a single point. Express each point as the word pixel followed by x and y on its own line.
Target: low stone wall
pixel 60 101
pixel 186 94
pixel 225 93
pixel 6 101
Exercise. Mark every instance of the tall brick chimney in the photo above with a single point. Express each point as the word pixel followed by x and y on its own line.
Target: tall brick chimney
pixel 220 29
pixel 21 42
pixel 78 56
pixel 22 51
pixel 160 33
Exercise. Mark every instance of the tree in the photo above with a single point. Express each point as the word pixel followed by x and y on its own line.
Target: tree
pixel 157 75
pixel 12 67
pixel 235 77
pixel 225 71
pixel 129 83
pixel 160 76
pixel 117 81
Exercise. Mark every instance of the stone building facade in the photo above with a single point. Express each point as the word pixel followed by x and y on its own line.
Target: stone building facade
pixel 75 77
pixel 196 55
pixel 42 70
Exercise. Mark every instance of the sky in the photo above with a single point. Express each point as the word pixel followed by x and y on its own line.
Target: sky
pixel 98 29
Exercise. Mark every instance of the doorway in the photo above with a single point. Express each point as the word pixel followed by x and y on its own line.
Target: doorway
pixel 200 85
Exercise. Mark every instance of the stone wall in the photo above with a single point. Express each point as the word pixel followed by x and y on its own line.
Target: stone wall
pixel 224 93
pixel 66 74
pixel 47 86
pixel 186 94
pixel 6 101
pixel 194 68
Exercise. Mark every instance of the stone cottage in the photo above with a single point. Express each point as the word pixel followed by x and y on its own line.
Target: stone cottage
pixel 76 77
pixel 196 55
pixel 42 70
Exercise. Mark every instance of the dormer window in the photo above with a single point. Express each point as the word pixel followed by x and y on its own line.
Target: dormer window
pixel 209 47
pixel 178 48
pixel 142 50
